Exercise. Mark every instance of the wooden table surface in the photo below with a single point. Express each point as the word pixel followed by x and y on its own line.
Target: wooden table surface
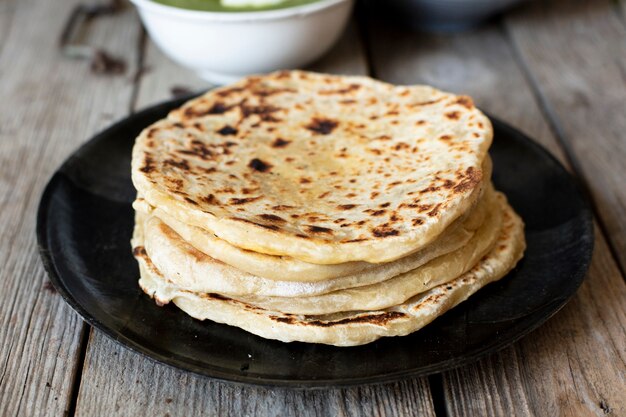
pixel 556 69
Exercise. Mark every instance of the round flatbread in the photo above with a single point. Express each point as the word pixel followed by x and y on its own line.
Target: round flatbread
pixel 284 268
pixel 193 270
pixel 398 289
pixel 383 293
pixel 324 169
pixel 344 329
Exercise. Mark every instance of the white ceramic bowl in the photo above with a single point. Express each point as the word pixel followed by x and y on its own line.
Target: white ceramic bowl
pixel 224 46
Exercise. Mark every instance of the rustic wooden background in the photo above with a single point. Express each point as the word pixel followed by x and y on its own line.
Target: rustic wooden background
pixel 554 68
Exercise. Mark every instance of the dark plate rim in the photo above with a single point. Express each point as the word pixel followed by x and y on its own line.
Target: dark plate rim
pixel 219 374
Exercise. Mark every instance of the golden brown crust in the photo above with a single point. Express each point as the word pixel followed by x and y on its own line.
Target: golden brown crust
pixel 310 148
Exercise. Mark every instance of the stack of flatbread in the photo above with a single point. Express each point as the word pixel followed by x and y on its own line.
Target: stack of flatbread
pixel 319 208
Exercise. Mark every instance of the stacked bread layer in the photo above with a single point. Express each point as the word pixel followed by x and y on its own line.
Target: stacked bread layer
pixel 323 209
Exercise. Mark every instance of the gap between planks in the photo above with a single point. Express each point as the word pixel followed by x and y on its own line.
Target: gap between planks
pixel 140 68
pixel 80 364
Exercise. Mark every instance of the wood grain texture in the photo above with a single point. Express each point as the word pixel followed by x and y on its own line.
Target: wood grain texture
pixel 118 381
pixel 575 362
pixel 575 54
pixel 574 365
pixel 45 113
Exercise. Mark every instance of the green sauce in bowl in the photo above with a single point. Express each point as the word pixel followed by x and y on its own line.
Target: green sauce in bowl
pixel 216 5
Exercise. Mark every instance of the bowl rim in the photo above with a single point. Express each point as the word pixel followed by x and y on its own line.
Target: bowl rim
pixel 288 12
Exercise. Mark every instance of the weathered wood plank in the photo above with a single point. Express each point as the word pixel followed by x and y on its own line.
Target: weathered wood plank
pixel 121 382
pixel 575 53
pixel 574 365
pixel 117 381
pixel 49 106
pixel 576 360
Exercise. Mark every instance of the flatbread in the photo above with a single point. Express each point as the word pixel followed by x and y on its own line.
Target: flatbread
pixel 193 270
pixel 398 289
pixel 343 329
pixel 283 268
pixel 383 293
pixel 324 169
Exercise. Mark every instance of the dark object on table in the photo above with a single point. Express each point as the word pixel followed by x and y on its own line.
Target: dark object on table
pixel 85 222
pixel 439 15
pixel 73 46
pixel 103 63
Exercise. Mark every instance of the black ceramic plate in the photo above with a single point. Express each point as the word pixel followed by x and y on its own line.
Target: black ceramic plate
pixel 84 227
